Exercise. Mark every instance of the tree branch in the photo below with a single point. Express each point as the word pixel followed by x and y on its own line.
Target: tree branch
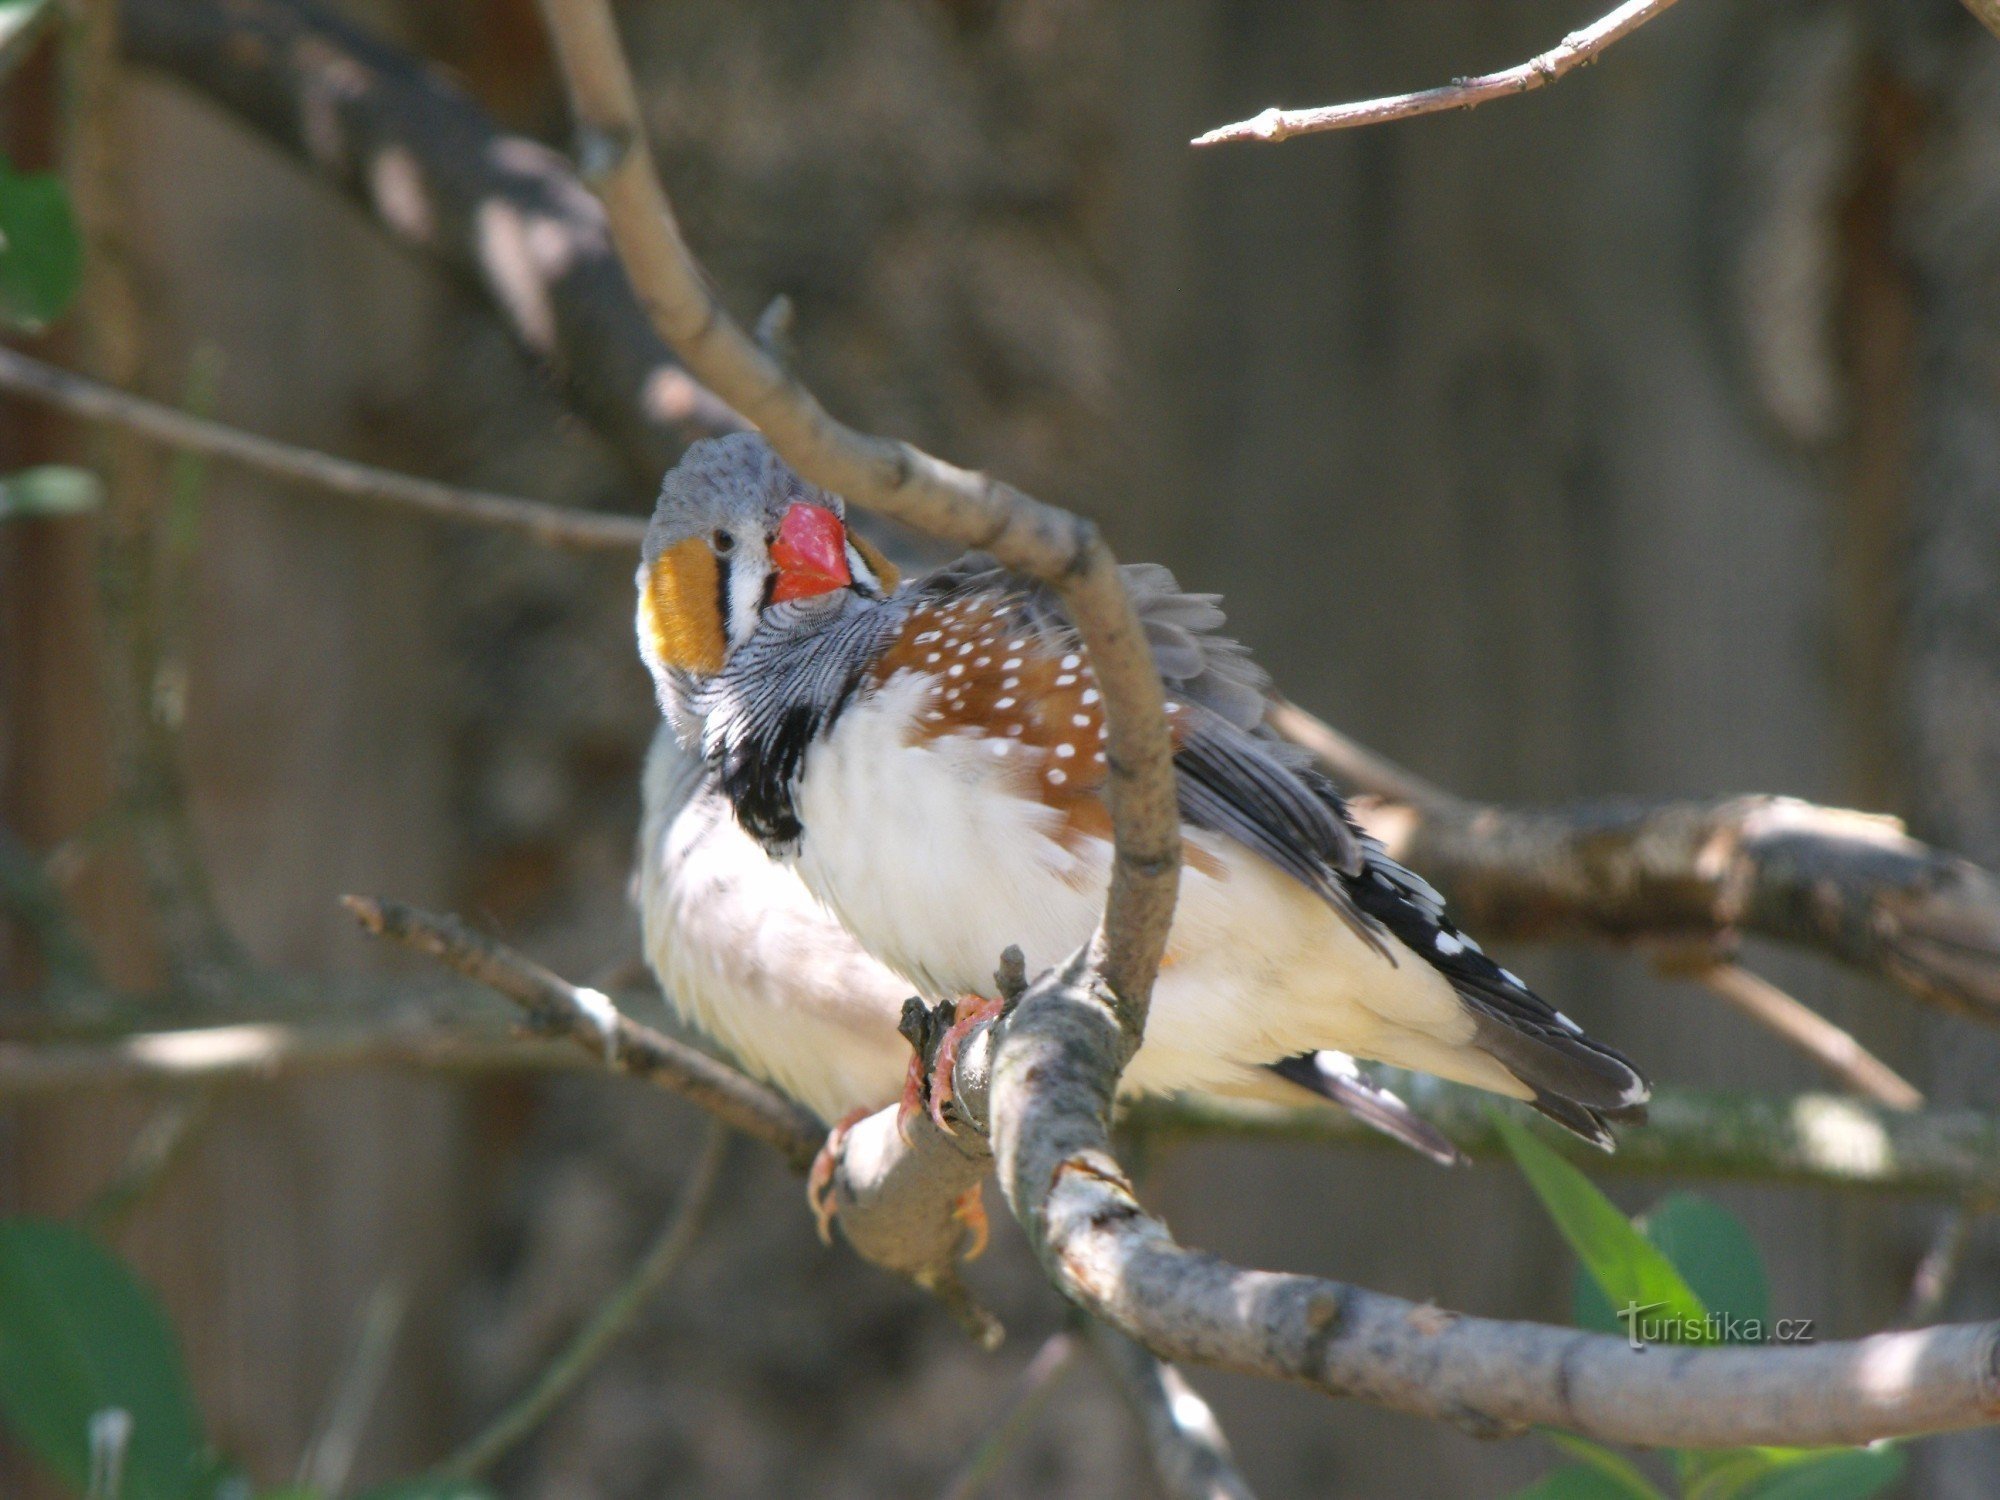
pixel 1494 1378
pixel 1037 1382
pixel 1987 12
pixel 1852 885
pixel 897 480
pixel 1802 1027
pixel 1823 1140
pixel 1814 1140
pixel 549 525
pixel 436 171
pixel 1848 884
pixel 1573 51
pixel 1190 1455
pixel 1056 1056
pixel 587 1017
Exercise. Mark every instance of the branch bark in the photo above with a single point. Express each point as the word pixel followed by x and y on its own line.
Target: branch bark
pixel 548 525
pixel 1493 1378
pixel 587 1017
pixel 898 480
pixel 1189 1452
pixel 1848 884
pixel 1799 1025
pixel 1851 885
pixel 438 174
pixel 1825 1141
pixel 1573 51
pixel 1987 12
pixel 1056 1055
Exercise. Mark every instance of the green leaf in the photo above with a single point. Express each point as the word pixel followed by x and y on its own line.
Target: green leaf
pixel 1610 1465
pixel 79 1336
pixel 1714 1253
pixel 1575 1483
pixel 1721 1473
pixel 41 255
pixel 431 1489
pixel 1843 1474
pixel 1711 1247
pixel 49 490
pixel 1628 1269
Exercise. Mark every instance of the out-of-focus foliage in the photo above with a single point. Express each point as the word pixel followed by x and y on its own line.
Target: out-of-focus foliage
pixel 92 1383
pixel 41 255
pixel 1690 1268
pixel 81 1341
pixel 49 490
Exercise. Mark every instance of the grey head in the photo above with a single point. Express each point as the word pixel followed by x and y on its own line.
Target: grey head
pixel 735 534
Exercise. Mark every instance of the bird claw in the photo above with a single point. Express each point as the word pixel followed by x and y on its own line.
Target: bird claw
pixel 819 1179
pixel 964 1018
pixel 970 1211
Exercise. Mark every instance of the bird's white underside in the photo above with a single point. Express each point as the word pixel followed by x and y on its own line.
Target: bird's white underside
pixel 931 852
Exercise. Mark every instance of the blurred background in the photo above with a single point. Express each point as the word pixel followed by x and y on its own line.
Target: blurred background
pixel 1636 436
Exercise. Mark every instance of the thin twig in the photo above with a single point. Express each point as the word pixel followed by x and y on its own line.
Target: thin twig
pixel 154 615
pixel 1353 765
pixel 1835 1050
pixel 328 1459
pixel 1037 1381
pixel 1817 1140
pixel 610 1322
pixel 161 1144
pixel 1832 1141
pixel 897 480
pixel 21 26
pixel 262 1050
pixel 1056 1057
pixel 1987 12
pixel 549 525
pixel 1189 1452
pixel 590 1019
pixel 1944 1257
pixel 30 894
pixel 1573 51
pixel 439 175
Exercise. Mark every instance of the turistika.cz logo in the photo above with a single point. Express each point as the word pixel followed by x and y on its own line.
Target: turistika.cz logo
pixel 1645 1324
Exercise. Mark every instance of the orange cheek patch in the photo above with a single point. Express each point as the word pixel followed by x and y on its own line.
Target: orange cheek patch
pixel 681 608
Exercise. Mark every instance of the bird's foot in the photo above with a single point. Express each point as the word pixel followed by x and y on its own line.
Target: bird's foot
pixel 819 1179
pixel 970 1210
pixel 966 1014
pixel 916 1091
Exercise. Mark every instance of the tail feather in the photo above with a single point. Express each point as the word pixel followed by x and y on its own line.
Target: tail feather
pixel 1552 1059
pixel 1574 1080
pixel 1585 1121
pixel 1334 1077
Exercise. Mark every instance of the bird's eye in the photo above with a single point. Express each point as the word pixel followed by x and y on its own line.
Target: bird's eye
pixel 723 543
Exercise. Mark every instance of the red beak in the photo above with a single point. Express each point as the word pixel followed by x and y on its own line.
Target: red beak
pixel 810 553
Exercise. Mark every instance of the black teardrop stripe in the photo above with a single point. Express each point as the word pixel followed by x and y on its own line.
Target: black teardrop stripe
pixel 757 775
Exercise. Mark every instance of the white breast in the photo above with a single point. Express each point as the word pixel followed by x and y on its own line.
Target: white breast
pixel 929 853
pixel 747 954
pixel 933 855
